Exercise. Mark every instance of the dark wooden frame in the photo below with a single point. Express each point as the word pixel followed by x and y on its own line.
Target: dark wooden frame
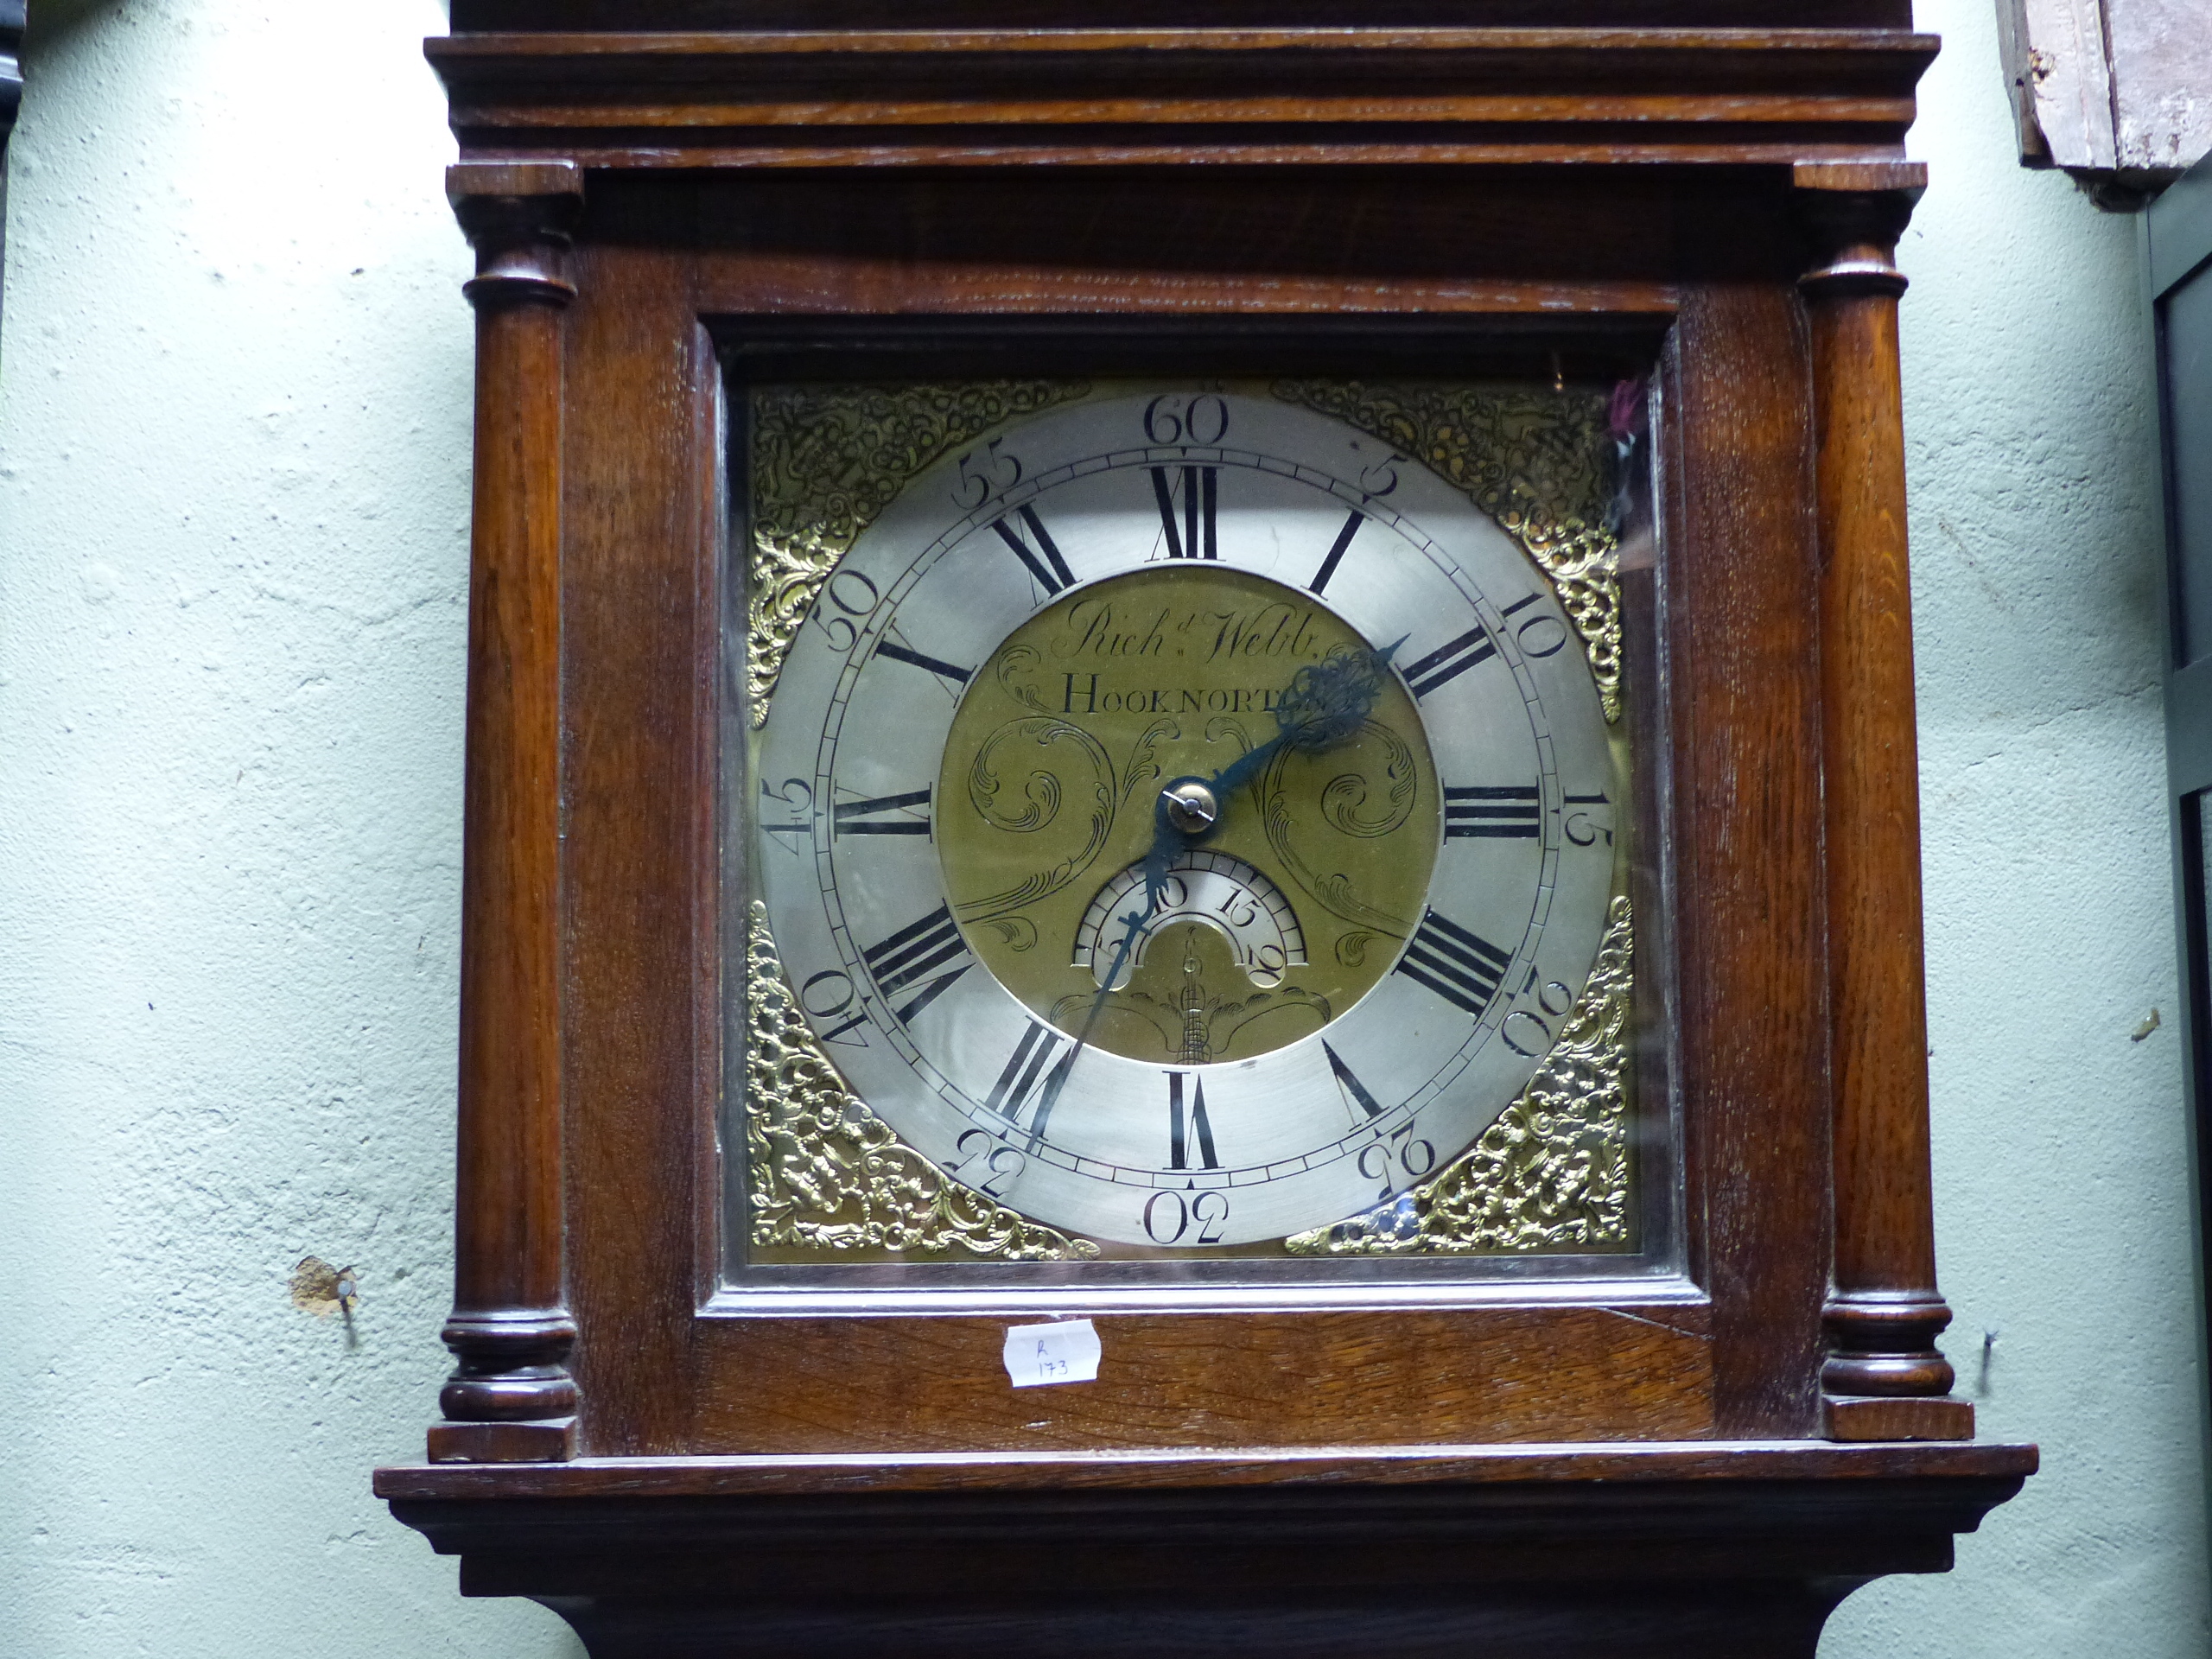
pixel 2178 254
pixel 1735 197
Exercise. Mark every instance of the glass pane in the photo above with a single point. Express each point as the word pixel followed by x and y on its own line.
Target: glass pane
pixel 1186 830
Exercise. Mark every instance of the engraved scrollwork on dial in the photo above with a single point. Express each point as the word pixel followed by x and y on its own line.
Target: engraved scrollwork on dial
pixel 826 460
pixel 1361 791
pixel 1027 752
pixel 1532 459
pixel 1552 1173
pixel 828 1174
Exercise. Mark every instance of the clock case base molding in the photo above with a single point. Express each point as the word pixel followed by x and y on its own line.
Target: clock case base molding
pixel 1718 1550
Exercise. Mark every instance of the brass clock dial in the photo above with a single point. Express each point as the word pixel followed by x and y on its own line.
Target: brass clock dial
pixel 1283 910
pixel 1187 812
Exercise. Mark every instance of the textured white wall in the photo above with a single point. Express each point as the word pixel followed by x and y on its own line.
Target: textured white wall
pixel 233 456
pixel 234 404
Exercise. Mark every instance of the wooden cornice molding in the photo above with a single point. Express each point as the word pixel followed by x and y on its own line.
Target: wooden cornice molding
pixel 1248 96
pixel 630 16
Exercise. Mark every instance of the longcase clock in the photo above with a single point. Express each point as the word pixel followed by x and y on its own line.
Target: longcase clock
pixel 1191 908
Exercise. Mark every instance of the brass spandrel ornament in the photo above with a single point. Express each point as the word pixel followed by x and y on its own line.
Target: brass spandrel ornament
pixel 1552 1175
pixel 826 460
pixel 1535 459
pixel 828 1174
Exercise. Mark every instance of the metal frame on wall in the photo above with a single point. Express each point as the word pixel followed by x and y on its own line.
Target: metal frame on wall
pixel 2177 265
pixel 11 97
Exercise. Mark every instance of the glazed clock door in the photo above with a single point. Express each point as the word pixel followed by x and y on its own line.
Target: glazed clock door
pixel 1184 824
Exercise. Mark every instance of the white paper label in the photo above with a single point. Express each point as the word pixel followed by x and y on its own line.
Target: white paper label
pixel 1063 1353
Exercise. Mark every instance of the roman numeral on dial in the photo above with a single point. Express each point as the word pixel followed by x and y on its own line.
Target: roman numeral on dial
pixel 877 817
pixel 1045 563
pixel 1450 660
pixel 1195 1135
pixel 1337 553
pixel 1355 1091
pixel 1196 539
pixel 1462 967
pixel 1026 1082
pixel 1509 813
pixel 919 949
pixel 937 665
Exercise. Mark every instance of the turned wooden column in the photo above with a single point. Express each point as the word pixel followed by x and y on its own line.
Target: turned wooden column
pixel 510 1398
pixel 1883 1378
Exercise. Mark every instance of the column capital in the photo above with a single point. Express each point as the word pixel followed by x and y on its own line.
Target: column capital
pixel 518 217
pixel 1854 213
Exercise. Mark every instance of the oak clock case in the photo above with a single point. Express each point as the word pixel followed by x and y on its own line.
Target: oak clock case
pixel 1183 829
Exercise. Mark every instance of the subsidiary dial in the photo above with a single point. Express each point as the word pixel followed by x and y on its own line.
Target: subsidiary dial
pixel 1201 889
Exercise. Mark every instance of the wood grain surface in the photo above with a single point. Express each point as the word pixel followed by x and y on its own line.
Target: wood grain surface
pixel 1630 1466
pixel 1886 1312
pixel 1719 1462
pixel 509 1329
pixel 642 607
pixel 1727 1552
pixel 906 97
pixel 561 16
pixel 1743 672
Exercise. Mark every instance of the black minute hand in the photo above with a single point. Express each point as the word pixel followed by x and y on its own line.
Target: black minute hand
pixel 1324 704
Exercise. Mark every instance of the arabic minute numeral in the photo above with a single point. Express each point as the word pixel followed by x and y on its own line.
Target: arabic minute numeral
pixel 1381 478
pixel 1541 635
pixel 915 949
pixel 985 473
pixel 1172 418
pixel 1397 1160
pixel 828 995
pixel 1580 828
pixel 797 796
pixel 1529 1034
pixel 1462 967
pixel 999 1166
pixel 1169 1215
pixel 844 596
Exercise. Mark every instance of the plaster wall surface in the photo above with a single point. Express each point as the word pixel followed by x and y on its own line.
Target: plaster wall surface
pixel 234 387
